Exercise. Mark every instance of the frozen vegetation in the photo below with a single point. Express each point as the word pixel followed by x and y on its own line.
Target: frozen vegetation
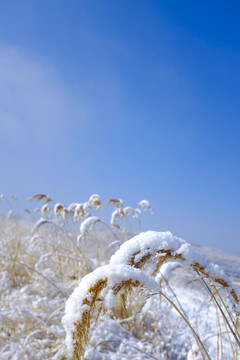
pixel 74 285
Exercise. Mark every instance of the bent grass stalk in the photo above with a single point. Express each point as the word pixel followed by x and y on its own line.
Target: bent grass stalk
pixel 228 312
pixel 202 347
pixel 140 258
pixel 236 333
pixel 92 293
pixel 80 336
pixel 169 255
pixel 200 269
pixel 82 326
pixel 93 301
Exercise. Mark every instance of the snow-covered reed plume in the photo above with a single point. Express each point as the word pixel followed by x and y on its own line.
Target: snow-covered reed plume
pixel 163 246
pixel 145 205
pixel 98 290
pixel 60 211
pixel 80 211
pixel 120 213
pixel 116 215
pixel 95 200
pixel 86 226
pixel 71 208
pixel 40 197
pixel 118 203
pixel 45 209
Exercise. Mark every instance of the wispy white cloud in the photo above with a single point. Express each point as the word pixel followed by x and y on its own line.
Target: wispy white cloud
pixel 34 102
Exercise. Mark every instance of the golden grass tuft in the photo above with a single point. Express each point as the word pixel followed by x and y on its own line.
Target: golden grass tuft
pixel 80 336
pixel 95 305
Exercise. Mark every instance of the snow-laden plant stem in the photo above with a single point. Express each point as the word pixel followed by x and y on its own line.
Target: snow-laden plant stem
pixel 97 291
pixel 126 270
pixel 164 246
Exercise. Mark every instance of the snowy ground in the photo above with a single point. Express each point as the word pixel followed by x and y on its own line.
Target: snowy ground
pixel 40 271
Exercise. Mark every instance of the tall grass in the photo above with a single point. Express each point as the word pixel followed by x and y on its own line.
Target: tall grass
pixel 152 296
pixel 135 254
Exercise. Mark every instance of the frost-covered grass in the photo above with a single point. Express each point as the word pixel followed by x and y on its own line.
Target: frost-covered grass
pixel 74 283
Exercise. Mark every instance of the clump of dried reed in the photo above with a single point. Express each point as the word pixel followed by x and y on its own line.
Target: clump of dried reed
pixel 44 262
pixel 96 293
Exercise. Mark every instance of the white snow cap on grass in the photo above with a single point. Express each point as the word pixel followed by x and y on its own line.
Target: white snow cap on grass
pixel 145 243
pixel 86 226
pixel 153 243
pixel 145 204
pixel 80 210
pixel 95 200
pixel 58 209
pixel 121 213
pixel 115 275
pixel 41 222
pixel 116 215
pixel 128 210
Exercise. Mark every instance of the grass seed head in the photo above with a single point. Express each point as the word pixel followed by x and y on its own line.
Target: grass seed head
pixel 115 202
pixel 95 201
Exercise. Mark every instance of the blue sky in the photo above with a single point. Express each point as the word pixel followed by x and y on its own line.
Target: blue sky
pixel 130 99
